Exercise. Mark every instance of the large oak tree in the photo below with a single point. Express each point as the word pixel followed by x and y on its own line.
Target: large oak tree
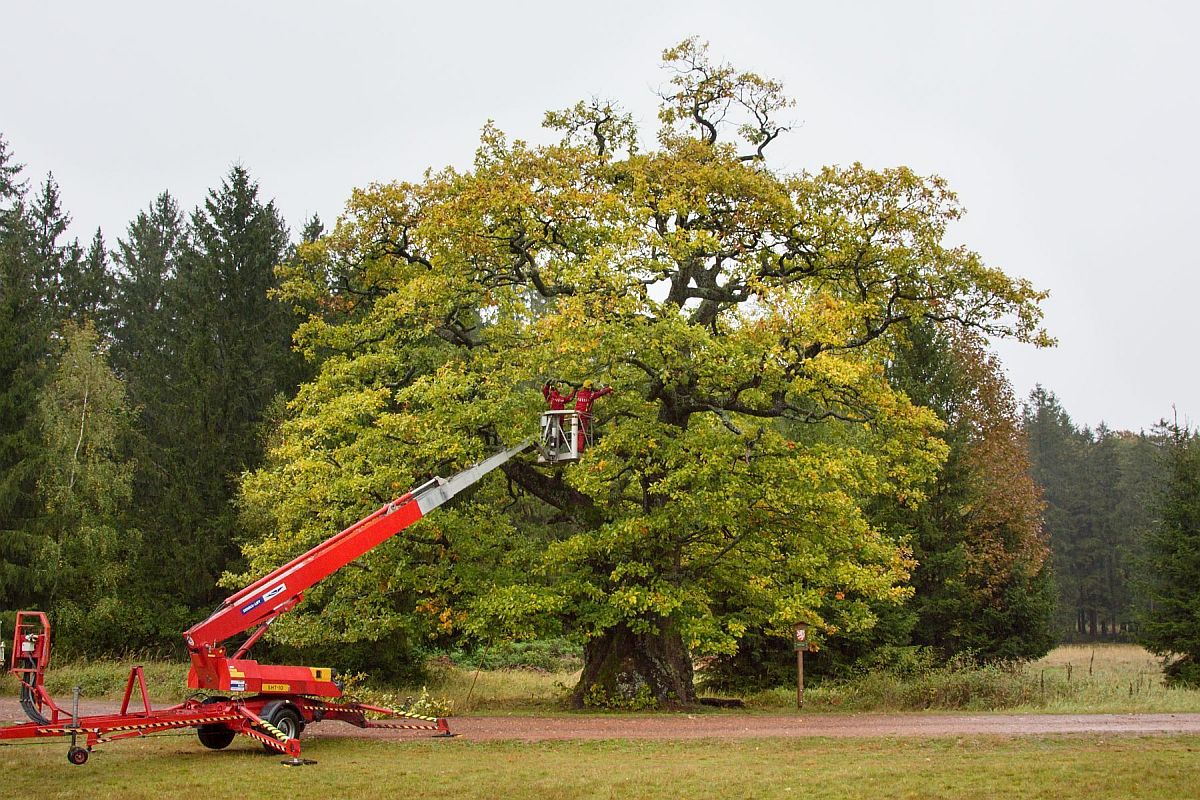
pixel 741 313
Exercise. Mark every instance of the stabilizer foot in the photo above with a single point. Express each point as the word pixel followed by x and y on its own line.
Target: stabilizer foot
pixel 297 762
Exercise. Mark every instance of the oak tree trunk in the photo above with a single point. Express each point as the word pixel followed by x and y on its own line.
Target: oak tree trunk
pixel 624 669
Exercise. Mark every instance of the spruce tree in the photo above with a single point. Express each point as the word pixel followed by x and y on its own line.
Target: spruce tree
pixel 982 582
pixel 142 354
pixel 1171 621
pixel 144 263
pixel 24 342
pixel 1143 473
pixel 11 185
pixel 1097 486
pixel 57 263
pixel 226 352
pixel 1057 452
pixel 313 229
pixel 87 287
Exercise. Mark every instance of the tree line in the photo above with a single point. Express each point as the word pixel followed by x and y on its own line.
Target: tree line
pixel 1109 496
pixel 135 381
pixel 807 422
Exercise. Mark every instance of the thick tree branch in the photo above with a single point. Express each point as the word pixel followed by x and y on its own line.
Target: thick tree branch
pixel 551 489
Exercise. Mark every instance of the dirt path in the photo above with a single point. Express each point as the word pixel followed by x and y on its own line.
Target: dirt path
pixel 740 726
pixel 748 726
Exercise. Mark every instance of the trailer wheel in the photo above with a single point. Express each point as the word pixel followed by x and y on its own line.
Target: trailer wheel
pixel 215 736
pixel 77 756
pixel 281 714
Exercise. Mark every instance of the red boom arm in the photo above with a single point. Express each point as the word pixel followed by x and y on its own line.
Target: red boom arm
pixel 283 588
pixel 262 601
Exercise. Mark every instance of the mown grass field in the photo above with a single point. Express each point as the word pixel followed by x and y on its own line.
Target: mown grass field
pixel 1051 767
pixel 1103 679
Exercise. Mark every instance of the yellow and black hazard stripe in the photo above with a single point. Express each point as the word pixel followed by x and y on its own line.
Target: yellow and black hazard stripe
pixel 271 729
pixel 323 706
pixel 181 723
pixel 397 726
pixel 141 726
pixel 279 743
pixel 353 710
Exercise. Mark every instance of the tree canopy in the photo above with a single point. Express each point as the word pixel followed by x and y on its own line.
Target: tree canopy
pixel 1099 487
pixel 740 313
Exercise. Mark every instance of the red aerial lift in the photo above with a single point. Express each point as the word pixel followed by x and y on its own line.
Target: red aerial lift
pixel 271 704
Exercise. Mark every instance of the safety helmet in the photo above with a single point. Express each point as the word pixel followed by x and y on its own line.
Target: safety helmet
pixel 587 384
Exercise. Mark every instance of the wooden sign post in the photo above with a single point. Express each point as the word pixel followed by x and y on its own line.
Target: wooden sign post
pixel 801 646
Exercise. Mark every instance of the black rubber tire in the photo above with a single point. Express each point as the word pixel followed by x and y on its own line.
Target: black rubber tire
pixel 216 736
pixel 283 716
pixel 77 756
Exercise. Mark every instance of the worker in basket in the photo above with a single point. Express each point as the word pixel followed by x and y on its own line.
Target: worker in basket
pixel 585 397
pixel 557 400
pixel 553 434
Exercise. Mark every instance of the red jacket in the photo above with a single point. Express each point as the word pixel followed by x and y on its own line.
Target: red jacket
pixel 555 398
pixel 585 397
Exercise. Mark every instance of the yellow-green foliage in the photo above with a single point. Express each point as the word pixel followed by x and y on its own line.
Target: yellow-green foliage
pixel 741 315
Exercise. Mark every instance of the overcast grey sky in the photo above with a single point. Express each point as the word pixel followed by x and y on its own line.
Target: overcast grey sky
pixel 1069 130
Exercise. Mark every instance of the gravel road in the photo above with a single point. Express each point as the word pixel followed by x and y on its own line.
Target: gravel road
pixel 748 726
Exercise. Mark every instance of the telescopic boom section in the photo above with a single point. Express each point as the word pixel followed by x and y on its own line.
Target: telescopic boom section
pixel 281 590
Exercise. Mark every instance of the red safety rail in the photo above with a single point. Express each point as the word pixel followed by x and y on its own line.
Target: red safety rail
pixel 30 657
pixel 356 714
pixel 97 729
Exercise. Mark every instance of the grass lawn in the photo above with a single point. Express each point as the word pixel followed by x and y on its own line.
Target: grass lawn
pixel 1070 680
pixel 1034 767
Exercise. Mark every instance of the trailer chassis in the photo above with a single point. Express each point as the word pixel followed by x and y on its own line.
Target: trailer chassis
pixel 273 720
